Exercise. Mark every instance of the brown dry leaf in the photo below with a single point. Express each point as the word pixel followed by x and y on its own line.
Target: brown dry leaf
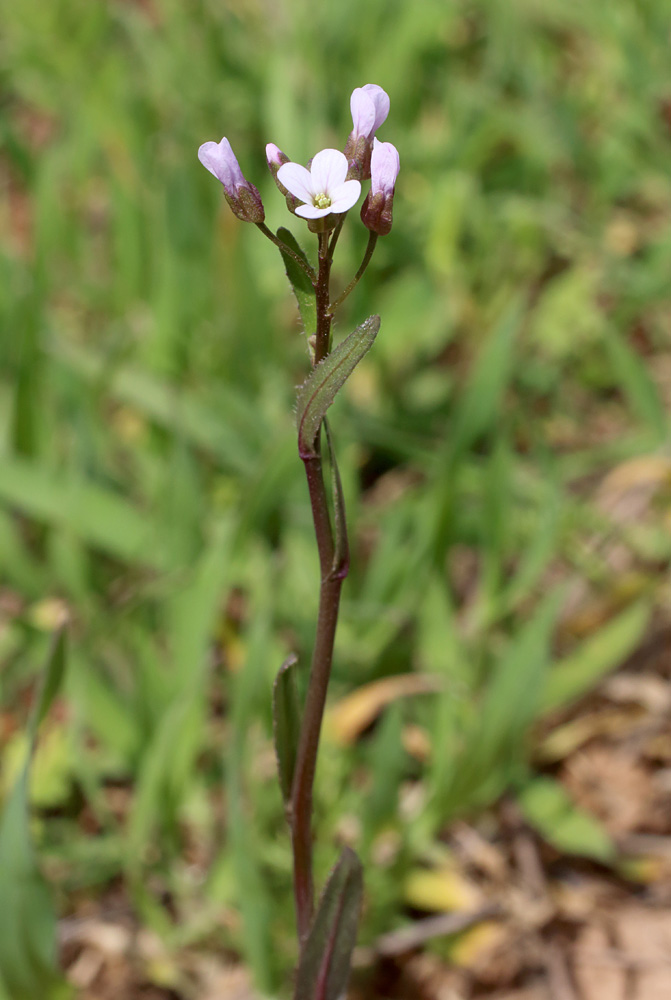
pixel 632 963
pixel 476 850
pixel 568 738
pixel 597 975
pixel 349 717
pixel 648 690
pixel 611 785
pixel 218 980
pixel 642 472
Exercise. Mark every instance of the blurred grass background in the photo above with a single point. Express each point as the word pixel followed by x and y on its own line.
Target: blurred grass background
pixel 150 490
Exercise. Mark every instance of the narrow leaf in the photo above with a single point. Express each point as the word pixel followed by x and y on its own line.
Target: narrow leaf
pixel 578 672
pixel 51 681
pixel 28 967
pixel 324 966
pixel 320 388
pixel 286 723
pixel 301 284
pixel 341 548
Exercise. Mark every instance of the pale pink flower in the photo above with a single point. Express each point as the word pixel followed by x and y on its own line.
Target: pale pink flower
pixel 323 188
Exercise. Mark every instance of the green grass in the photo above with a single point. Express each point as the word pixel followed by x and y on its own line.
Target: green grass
pixel 148 469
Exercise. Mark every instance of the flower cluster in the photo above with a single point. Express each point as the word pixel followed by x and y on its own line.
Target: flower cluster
pixel 331 184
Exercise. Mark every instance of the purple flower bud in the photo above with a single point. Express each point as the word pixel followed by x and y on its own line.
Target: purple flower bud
pixel 376 211
pixel 370 107
pixel 276 159
pixel 243 197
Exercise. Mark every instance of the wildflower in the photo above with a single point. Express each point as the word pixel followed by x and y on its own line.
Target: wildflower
pixel 376 211
pixel 323 188
pixel 370 107
pixel 243 197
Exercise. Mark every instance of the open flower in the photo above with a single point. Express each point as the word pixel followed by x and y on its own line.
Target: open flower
pixel 323 188
pixel 376 211
pixel 243 197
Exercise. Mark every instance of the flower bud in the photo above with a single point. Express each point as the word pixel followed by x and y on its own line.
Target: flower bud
pixel 376 211
pixel 276 159
pixel 243 197
pixel 370 107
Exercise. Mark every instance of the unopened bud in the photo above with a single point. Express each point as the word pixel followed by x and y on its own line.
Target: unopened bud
pixel 370 107
pixel 376 211
pixel 276 159
pixel 243 198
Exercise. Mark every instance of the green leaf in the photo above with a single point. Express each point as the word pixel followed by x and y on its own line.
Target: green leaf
pixel 341 547
pixel 638 385
pixel 286 723
pixel 324 966
pixel 28 966
pixel 53 678
pixel 548 807
pixel 96 515
pixel 320 388
pixel 597 656
pixel 301 284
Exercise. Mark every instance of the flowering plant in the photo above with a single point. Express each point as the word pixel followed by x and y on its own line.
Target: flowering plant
pixel 322 193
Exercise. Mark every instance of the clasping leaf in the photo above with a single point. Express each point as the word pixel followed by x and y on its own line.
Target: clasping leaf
pixel 320 388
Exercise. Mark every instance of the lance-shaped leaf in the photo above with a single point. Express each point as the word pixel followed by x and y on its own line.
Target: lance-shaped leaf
pixel 286 724
pixel 28 966
pixel 324 966
pixel 320 388
pixel 341 548
pixel 301 284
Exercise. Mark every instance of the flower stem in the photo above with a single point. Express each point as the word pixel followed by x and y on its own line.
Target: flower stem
pixel 287 249
pixel 331 581
pixel 372 240
pixel 324 314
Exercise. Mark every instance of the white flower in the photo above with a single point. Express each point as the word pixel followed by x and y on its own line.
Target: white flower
pixel 323 188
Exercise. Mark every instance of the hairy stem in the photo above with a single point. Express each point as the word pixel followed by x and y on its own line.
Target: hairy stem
pixel 331 580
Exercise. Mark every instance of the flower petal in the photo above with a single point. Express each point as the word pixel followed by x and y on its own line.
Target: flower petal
pixel 381 102
pixel 329 170
pixel 345 195
pixel 363 111
pixel 312 212
pixel 296 179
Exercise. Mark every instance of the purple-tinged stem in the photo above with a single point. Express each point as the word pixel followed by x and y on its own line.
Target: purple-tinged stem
pixel 322 656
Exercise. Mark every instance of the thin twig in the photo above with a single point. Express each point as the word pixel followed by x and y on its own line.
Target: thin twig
pixel 415 935
pixel 372 240
pixel 287 249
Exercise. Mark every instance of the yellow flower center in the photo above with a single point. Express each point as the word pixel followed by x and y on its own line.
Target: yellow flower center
pixel 322 201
